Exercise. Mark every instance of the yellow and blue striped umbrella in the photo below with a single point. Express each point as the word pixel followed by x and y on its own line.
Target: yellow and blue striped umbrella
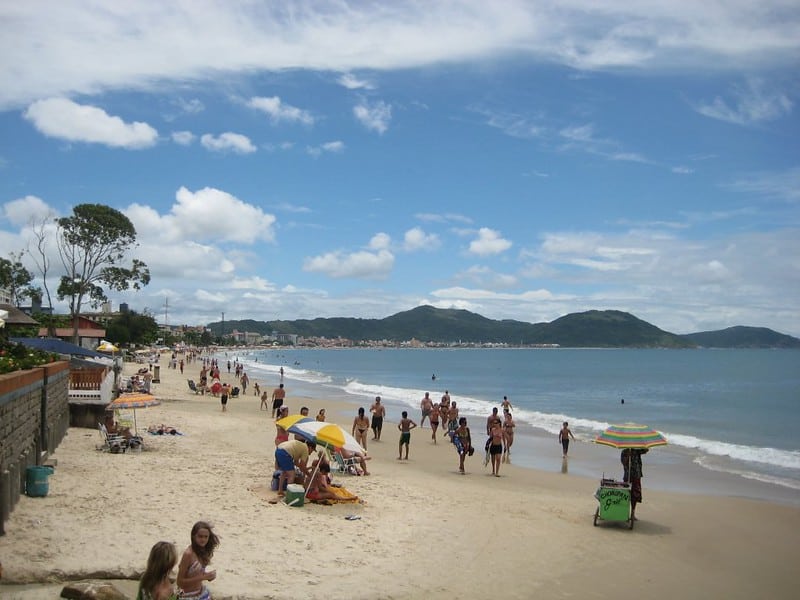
pixel 631 435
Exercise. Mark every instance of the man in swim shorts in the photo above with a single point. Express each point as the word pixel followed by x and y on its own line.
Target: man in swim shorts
pixel 378 411
pixel 425 406
pixel 291 455
pixel 278 394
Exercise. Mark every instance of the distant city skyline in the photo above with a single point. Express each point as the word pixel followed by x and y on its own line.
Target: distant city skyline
pixel 520 159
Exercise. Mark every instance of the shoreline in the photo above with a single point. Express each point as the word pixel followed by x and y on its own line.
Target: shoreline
pixel 538 449
pixel 104 511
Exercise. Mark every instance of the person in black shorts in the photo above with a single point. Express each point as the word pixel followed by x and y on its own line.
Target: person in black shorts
pixel 278 394
pixel 378 411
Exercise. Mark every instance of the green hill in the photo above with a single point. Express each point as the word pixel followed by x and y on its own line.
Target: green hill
pixel 743 337
pixel 605 329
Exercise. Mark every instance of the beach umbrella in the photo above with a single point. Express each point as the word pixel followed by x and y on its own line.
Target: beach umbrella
pixel 106 346
pixel 630 435
pixel 287 422
pixel 133 401
pixel 325 434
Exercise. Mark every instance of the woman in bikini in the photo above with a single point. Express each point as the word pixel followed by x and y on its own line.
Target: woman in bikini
pixel 508 435
pixel 196 558
pixel 155 583
pixel 434 417
pixel 360 428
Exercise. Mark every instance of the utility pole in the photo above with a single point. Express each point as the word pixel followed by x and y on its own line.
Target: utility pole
pixel 166 312
pixel 222 335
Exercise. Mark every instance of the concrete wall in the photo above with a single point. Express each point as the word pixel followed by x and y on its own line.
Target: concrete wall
pixel 34 417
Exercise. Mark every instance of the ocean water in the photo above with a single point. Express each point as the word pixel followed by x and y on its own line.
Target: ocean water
pixel 724 411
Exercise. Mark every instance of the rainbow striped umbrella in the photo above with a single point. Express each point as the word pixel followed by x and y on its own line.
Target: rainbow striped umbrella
pixel 133 400
pixel 631 435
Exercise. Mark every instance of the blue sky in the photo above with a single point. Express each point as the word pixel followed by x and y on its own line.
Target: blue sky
pixel 522 160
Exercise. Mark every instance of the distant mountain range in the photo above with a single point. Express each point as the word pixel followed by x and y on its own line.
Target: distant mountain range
pixel 591 329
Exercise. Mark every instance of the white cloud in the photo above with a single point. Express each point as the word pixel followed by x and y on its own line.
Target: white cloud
pixel 351 82
pixel 183 138
pixel 445 218
pixel 751 103
pixel 488 242
pixel 22 211
pixel 357 265
pixel 155 44
pixel 280 112
pixel 375 116
pixel 192 107
pixel 780 185
pixel 198 216
pixel 64 119
pixel 228 142
pixel 681 170
pixel 416 239
pixel 335 147
pixel 380 241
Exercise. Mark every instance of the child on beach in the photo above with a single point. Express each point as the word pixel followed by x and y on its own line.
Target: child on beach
pixel 155 583
pixel 192 568
pixel 563 438
pixel 405 426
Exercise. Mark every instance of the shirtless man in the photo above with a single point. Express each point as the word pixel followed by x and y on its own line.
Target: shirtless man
pixel 491 419
pixel 378 411
pixel 563 437
pixel 278 394
pixel 425 406
pixel 452 418
pixel 506 404
pixel 405 426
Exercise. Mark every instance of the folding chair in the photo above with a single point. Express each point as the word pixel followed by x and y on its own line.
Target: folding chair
pixel 112 442
pixel 349 466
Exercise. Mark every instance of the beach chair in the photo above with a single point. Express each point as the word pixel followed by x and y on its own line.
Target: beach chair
pixel 348 466
pixel 112 442
pixel 192 386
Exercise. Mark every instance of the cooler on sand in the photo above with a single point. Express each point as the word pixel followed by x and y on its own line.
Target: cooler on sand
pixel 614 502
pixel 295 495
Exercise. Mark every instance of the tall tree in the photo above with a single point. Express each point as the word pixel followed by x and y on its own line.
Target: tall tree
pixel 40 229
pixel 16 279
pixel 92 244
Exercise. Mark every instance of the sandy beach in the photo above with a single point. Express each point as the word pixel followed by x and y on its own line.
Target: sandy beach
pixel 425 531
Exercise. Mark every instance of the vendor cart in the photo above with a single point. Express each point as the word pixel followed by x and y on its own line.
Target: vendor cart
pixel 614 502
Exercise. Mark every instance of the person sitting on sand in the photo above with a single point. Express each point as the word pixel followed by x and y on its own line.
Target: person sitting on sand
pixel 155 583
pixel 321 415
pixel 320 487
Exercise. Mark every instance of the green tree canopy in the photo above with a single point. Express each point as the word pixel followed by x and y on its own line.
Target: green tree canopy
pixel 16 279
pixel 93 243
pixel 132 328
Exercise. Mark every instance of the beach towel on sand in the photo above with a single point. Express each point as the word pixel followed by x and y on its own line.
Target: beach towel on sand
pixel 344 496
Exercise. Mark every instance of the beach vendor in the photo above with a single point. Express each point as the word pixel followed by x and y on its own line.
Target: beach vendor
pixel 631 459
pixel 291 455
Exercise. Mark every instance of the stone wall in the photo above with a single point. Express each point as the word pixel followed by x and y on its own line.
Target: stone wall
pixel 34 417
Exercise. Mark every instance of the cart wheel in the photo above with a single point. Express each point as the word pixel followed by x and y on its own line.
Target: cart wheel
pixel 596 514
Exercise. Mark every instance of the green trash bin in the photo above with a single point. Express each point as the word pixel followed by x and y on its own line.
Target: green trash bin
pixel 36 481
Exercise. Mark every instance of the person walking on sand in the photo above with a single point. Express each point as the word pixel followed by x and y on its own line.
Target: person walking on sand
pixel 452 418
pixel 264 399
pixel 405 426
pixel 462 439
pixel 155 583
pixel 435 416
pixel 378 411
pixel 278 394
pixel 360 428
pixel 425 406
pixel 508 435
pixel 496 446
pixel 192 570
pixel 223 397
pixel 563 437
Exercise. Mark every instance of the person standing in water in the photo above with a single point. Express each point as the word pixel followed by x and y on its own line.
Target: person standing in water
pixel 563 437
